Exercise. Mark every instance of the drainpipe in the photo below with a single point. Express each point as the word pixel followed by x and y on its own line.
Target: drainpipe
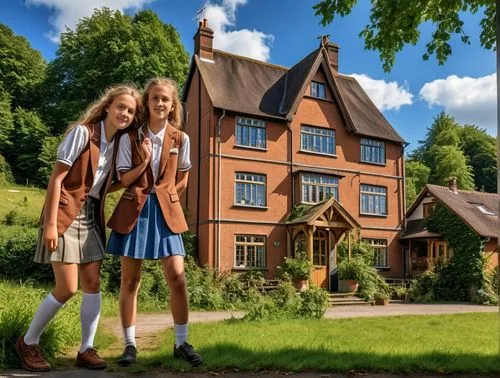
pixel 219 184
pixel 404 208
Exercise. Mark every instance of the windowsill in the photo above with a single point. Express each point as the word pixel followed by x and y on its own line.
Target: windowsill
pixel 373 163
pixel 244 269
pixel 250 147
pixel 383 268
pixel 373 215
pixel 250 206
pixel 318 153
pixel 318 98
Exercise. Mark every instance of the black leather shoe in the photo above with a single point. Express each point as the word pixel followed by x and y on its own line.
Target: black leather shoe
pixel 129 356
pixel 187 353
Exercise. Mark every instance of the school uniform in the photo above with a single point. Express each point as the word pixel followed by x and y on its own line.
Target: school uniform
pixel 148 219
pixel 80 214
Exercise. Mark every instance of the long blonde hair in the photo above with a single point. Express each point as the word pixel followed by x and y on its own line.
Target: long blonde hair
pixel 175 116
pixel 97 110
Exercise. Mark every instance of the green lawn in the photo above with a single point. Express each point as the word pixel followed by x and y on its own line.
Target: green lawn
pixel 403 344
pixel 25 200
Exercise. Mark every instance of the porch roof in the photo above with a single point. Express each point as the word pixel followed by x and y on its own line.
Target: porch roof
pixel 315 211
pixel 415 229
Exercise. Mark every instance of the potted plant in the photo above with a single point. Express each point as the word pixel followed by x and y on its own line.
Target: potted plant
pixel 349 271
pixel 381 299
pixel 297 269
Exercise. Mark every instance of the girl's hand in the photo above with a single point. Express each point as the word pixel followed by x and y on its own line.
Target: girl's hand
pixel 50 237
pixel 147 148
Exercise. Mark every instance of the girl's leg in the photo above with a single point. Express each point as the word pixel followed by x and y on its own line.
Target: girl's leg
pixel 173 269
pixel 90 310
pixel 30 354
pixel 129 287
pixel 66 277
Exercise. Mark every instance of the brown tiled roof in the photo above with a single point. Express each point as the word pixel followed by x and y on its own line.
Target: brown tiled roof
pixel 464 204
pixel 257 88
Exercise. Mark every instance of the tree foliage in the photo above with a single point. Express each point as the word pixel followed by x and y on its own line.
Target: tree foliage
pixel 394 24
pixel 22 68
pixel 6 121
pixel 450 149
pixel 28 133
pixel 417 175
pixel 105 49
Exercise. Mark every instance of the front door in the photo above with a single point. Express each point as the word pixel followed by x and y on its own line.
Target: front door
pixel 320 259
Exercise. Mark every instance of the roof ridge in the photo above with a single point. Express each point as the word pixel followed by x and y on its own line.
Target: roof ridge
pixel 463 190
pixel 251 60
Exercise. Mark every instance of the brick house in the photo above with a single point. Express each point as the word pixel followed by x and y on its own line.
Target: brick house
pixel 478 210
pixel 265 138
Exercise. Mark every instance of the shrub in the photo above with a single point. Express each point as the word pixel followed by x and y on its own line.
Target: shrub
pixel 358 249
pixel 370 282
pixel 298 268
pixel 286 299
pixel 351 269
pixel 17 248
pixel 422 288
pixel 6 176
pixel 314 302
pixel 14 218
pixel 399 292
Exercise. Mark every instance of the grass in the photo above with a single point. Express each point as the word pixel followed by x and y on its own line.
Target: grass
pixel 25 200
pixel 463 343
pixel 18 303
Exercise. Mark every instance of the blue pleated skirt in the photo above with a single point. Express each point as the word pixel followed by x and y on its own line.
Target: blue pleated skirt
pixel 150 239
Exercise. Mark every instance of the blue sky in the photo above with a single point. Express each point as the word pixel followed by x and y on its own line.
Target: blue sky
pixel 283 32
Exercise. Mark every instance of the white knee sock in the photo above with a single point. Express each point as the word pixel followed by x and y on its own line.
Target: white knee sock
pixel 129 335
pixel 181 332
pixel 90 312
pixel 44 314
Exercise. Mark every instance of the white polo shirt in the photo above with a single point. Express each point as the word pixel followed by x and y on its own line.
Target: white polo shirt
pixel 72 146
pixel 124 154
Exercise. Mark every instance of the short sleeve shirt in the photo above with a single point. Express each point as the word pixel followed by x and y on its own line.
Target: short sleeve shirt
pixel 72 146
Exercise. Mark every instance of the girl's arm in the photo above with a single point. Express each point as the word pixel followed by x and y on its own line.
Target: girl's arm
pixel 181 181
pixel 52 197
pixel 124 159
pixel 127 178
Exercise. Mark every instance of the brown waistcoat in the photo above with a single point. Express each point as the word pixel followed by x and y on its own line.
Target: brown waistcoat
pixel 133 199
pixel 78 182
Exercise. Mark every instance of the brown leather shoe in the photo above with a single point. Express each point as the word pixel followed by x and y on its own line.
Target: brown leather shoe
pixel 90 359
pixel 31 356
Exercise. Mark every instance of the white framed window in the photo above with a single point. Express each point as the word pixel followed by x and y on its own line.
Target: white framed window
pixel 317 188
pixel 380 256
pixel 373 200
pixel 372 151
pixel 250 251
pixel 317 139
pixel 250 132
pixel 250 189
pixel 318 89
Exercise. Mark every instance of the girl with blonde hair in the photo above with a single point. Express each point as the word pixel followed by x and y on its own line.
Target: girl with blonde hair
pixel 153 164
pixel 72 235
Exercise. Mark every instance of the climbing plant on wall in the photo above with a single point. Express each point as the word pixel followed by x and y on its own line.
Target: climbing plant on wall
pixel 464 275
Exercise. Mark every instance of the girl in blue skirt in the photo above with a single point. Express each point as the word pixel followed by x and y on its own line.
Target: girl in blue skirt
pixel 153 164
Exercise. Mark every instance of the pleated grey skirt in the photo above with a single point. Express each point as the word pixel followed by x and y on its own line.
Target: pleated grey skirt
pixel 81 243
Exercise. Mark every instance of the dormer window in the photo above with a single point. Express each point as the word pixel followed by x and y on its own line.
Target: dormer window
pixel 318 90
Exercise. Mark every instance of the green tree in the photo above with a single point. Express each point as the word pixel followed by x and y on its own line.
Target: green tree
pixel 22 68
pixel 395 23
pixel 480 149
pixel 47 158
pixel 29 132
pixel 451 161
pixel 443 131
pixel 6 121
pixel 417 175
pixel 105 49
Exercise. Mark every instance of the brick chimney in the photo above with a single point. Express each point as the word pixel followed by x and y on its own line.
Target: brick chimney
pixel 203 40
pixel 452 184
pixel 333 52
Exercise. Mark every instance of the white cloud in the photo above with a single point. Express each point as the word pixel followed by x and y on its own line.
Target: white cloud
pixel 467 99
pixel 386 96
pixel 251 43
pixel 68 13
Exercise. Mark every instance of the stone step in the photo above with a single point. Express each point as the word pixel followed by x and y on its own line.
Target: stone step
pixel 346 300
